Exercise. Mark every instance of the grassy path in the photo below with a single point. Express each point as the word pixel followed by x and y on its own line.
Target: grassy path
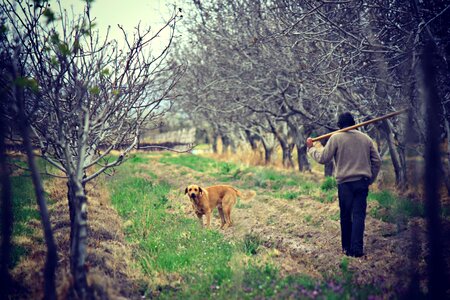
pixel 285 242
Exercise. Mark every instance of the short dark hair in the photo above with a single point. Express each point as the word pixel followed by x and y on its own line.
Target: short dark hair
pixel 345 120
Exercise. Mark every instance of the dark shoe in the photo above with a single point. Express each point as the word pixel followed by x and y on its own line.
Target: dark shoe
pixel 354 254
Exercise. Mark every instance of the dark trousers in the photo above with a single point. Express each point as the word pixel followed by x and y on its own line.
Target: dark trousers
pixel 353 204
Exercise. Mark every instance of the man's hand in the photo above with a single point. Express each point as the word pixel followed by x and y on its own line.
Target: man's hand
pixel 309 142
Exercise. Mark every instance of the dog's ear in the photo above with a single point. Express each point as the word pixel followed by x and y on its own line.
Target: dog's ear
pixel 185 191
pixel 200 190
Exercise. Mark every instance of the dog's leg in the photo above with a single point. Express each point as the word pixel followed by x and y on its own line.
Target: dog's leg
pixel 226 213
pixel 228 216
pixel 199 216
pixel 222 216
pixel 227 204
pixel 208 219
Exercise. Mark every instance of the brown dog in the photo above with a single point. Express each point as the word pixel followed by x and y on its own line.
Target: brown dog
pixel 204 200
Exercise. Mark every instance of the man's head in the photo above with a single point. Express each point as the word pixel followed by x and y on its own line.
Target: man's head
pixel 345 120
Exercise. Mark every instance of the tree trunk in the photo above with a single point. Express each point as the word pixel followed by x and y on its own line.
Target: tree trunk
pixel 329 169
pixel 214 140
pixel 232 140
pixel 302 159
pixel 447 167
pixel 286 154
pixel 299 134
pixel 78 204
pixel 251 140
pixel 268 152
pixel 280 132
pixel 6 216
pixel 226 143
pixel 397 157
pixel 52 256
pixel 437 273
pixel 71 200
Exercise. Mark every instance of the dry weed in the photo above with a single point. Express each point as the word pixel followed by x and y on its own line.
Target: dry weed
pixel 111 274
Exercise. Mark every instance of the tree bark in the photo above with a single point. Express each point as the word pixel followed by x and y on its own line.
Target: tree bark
pixel 226 143
pixel 252 139
pixel 79 237
pixel 302 159
pixel 397 157
pixel 437 273
pixel 268 152
pixel 299 134
pixel 214 140
pixel 52 256
pixel 286 154
pixel 6 215
pixel 447 167
pixel 71 201
pixel 329 169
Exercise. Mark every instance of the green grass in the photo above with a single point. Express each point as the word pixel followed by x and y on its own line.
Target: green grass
pixel 329 184
pixel 336 216
pixel 392 208
pixel 307 188
pixel 289 195
pixel 194 162
pixel 251 244
pixel 308 219
pixel 290 186
pixel 223 171
pixel 170 242
pixel 242 205
pixel 135 159
pixel 24 210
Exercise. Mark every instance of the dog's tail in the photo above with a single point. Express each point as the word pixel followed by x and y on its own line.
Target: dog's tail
pixel 247 195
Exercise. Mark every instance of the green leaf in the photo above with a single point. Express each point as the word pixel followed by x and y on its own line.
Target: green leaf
pixel 64 49
pixel 55 38
pixel 95 90
pixel 3 29
pixel 104 72
pixel 26 82
pixel 54 61
pixel 50 15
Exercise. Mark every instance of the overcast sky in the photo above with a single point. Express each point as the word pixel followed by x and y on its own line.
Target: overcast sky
pixel 127 13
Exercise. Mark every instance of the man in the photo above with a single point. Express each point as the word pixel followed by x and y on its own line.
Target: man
pixel 357 165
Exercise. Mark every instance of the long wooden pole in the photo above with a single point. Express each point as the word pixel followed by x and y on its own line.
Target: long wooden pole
pixel 325 136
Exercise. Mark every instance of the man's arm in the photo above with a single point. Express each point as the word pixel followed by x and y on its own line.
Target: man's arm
pixel 323 155
pixel 375 162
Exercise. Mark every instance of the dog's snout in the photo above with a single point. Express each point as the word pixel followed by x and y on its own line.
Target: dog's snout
pixel 193 195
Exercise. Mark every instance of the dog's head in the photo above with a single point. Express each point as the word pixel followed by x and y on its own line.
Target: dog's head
pixel 194 191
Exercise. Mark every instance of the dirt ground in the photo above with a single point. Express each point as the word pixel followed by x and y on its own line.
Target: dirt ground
pixel 302 236
pixel 109 259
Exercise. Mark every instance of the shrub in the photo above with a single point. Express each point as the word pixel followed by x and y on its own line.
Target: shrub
pixel 251 244
pixel 329 184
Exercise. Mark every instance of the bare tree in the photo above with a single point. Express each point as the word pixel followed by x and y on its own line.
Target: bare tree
pixel 86 97
pixel 301 62
pixel 6 212
pixel 13 101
